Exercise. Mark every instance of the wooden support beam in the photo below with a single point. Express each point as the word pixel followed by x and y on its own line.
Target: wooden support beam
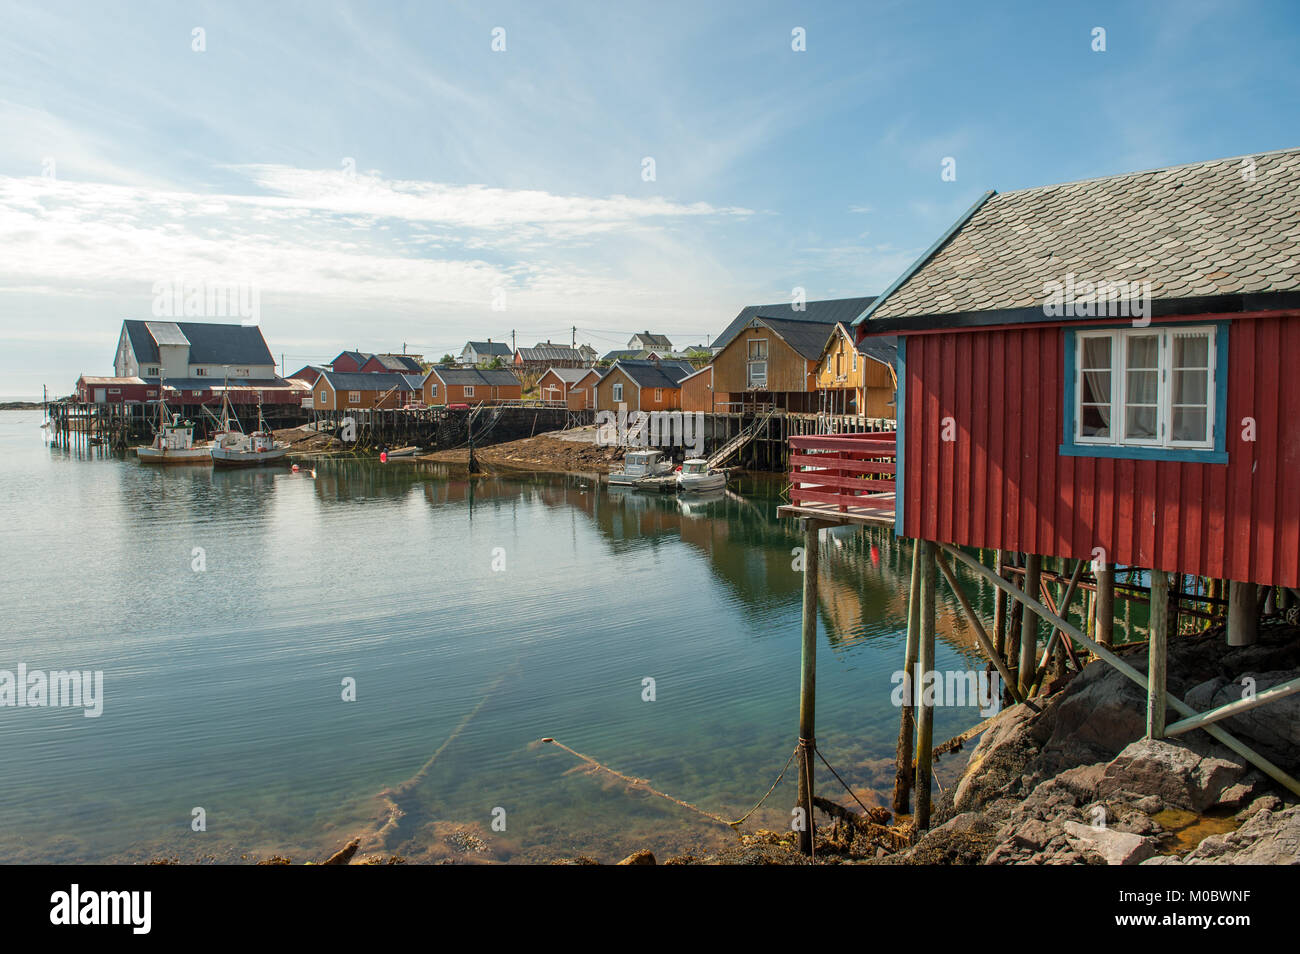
pixel 1280 691
pixel 981 636
pixel 808 681
pixel 1243 614
pixel 925 666
pixel 1029 626
pixel 1000 608
pixel 1128 672
pixel 1105 611
pixel 907 717
pixel 1157 653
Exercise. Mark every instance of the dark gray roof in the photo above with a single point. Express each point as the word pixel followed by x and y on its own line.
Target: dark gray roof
pixel 209 343
pixel 648 374
pixel 1224 227
pixel 570 375
pixel 402 363
pixel 206 384
pixel 619 354
pixel 655 341
pixel 489 348
pixel 882 348
pixel 474 377
pixel 808 338
pixel 825 312
pixel 372 380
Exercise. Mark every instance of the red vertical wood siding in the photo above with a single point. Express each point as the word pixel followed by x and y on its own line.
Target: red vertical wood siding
pixel 1002 482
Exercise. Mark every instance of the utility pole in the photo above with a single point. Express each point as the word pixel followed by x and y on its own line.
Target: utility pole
pixel 574 329
pixel 513 349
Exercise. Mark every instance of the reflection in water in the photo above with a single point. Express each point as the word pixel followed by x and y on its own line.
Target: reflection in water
pixel 475 616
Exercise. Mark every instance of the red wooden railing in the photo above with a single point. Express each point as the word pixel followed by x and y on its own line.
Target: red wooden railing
pixel 842 469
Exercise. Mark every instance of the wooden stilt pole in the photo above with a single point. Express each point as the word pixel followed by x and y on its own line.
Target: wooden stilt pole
pixel 903 771
pixel 808 683
pixel 1105 612
pixel 925 666
pixel 1157 648
pixel 1243 613
pixel 999 607
pixel 1029 626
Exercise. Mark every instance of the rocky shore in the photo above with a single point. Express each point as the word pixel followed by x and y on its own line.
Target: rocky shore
pixel 1077 783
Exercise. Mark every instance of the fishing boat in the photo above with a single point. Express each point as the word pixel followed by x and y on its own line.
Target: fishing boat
pixel 173 440
pixel 641 465
pixel 174 444
pixel 697 477
pixel 231 447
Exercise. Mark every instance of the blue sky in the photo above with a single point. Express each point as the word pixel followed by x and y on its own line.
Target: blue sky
pixel 478 171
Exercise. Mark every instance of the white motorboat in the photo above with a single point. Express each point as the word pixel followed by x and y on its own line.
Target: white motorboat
pixel 696 477
pixel 640 465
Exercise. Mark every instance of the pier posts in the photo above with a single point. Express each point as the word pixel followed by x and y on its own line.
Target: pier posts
pixel 1157 646
pixel 1105 611
pixel 1243 613
pixel 903 771
pixel 808 682
pixel 1029 626
pixel 925 665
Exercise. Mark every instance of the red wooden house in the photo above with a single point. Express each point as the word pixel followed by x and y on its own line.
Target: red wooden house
pixel 1099 371
pixel 1047 406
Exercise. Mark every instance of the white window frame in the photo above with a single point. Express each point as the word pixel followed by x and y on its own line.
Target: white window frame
pixel 433 390
pixel 324 398
pixel 659 395
pixel 756 367
pixel 354 397
pixel 468 390
pixel 1164 387
pixel 617 390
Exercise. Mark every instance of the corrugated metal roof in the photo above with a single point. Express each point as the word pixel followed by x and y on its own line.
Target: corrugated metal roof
pixel 166 333
pixel 550 352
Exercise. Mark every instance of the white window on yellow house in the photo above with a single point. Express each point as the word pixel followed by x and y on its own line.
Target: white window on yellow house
pixel 324 398
pixel 659 395
pixel 354 397
pixel 433 390
pixel 618 391
pixel 469 390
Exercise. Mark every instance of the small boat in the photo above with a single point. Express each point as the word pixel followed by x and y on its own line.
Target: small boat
pixel 173 444
pixel 231 447
pixel 697 477
pixel 402 452
pixel 641 465
pixel 234 449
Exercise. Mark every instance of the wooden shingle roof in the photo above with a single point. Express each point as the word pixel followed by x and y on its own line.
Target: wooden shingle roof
pixel 1220 228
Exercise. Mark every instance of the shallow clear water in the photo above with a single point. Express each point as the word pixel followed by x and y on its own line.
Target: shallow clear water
pixel 223 686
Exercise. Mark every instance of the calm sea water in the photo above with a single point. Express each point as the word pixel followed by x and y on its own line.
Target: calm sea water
pixel 476 617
